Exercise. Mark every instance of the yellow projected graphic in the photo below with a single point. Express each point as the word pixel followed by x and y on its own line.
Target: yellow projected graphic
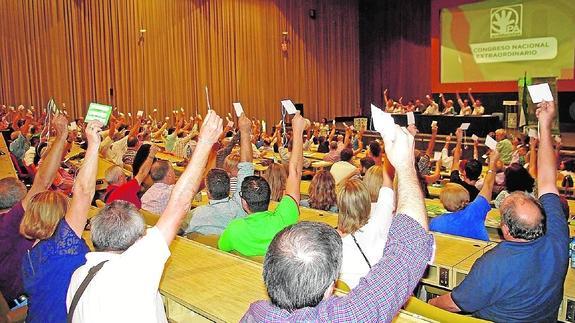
pixel 501 40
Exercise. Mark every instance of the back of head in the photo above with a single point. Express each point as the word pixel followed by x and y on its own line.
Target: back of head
pixel 473 169
pixel 140 157
pixel 302 262
pixel 159 170
pixel 346 154
pixel 322 191
pixel 12 191
pixel 517 178
pixel 114 174
pixel 375 149
pixel 367 162
pixel 256 192
pixel 374 180
pixel 218 184
pixel 454 197
pixel 354 204
pixel 43 213
pixel 117 226
pixel 523 215
pixel 333 145
pixel 231 162
pixel 132 141
pixel 276 177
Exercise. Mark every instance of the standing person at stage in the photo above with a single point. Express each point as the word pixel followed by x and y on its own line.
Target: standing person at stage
pixel 252 235
pixel 478 109
pixel 463 105
pixel 522 278
pixel 448 108
pixel 432 107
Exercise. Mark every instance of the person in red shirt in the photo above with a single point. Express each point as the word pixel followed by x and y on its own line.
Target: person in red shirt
pixel 119 188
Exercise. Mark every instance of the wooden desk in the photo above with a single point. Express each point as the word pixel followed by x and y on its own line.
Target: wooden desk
pixel 314 155
pixel 312 215
pixel 567 311
pixel 169 157
pixel 214 284
pixel 6 167
pixel 319 165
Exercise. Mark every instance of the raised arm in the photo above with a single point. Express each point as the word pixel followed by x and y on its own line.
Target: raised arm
pixel 443 102
pixel 546 161
pixel 359 143
pixel 471 98
pixel 385 97
pixel 85 183
pixel 189 182
pixel 476 149
pixel 533 157
pixel 457 152
pixel 146 165
pixel 489 181
pixel 245 125
pixel 296 158
pixel 430 179
pixel 331 134
pixel 431 145
pixel 51 162
pixel 158 134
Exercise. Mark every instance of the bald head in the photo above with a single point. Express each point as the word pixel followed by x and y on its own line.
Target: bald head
pixel 523 216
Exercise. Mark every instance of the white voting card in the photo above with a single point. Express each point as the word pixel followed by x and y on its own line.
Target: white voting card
pixel 474 138
pixel 410 118
pixel 490 142
pixel 238 108
pixel 289 106
pixel 465 126
pixel 383 123
pixel 540 92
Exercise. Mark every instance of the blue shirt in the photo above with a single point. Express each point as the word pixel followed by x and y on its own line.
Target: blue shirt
pixel 47 269
pixel 520 281
pixel 468 222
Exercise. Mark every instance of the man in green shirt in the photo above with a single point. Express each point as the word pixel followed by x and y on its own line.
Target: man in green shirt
pixel 252 235
pixel 504 146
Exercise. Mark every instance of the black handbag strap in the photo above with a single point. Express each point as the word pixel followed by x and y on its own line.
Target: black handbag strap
pixel 91 273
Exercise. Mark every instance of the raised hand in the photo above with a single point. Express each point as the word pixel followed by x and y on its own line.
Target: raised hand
pixel 93 133
pixel 60 123
pixel 299 123
pixel 400 150
pixel 244 123
pixel 546 113
pixel 211 128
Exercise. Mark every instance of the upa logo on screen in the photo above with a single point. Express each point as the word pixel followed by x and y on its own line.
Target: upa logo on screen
pixel 506 21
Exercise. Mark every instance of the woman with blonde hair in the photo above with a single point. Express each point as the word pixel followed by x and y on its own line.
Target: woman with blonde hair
pixel 56 230
pixel 231 166
pixel 373 179
pixel 321 194
pixel 276 176
pixel 364 225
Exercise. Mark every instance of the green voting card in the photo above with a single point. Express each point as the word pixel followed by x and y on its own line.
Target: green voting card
pixel 100 112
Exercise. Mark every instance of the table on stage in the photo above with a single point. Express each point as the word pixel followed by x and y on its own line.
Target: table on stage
pixel 6 166
pixel 480 126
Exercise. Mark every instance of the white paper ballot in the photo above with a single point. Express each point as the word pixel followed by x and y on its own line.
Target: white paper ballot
pixel 73 125
pixel 410 118
pixel 465 126
pixel 540 92
pixel 474 138
pixel 490 142
pixel 433 123
pixel 437 155
pixel 140 113
pixel 532 133
pixel 383 123
pixel 289 106
pixel 238 108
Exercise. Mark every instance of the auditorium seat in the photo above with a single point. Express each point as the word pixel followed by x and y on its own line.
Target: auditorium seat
pixel 419 307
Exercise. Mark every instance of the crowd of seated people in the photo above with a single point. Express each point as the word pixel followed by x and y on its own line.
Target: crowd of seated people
pixel 380 248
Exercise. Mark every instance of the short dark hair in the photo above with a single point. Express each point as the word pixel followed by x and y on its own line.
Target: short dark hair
pixel 171 130
pixel 367 162
pixel 159 170
pixel 375 148
pixel 301 263
pixel 132 141
pixel 218 183
pixel 517 178
pixel 256 192
pixel 346 154
pixel 473 169
pixel 518 228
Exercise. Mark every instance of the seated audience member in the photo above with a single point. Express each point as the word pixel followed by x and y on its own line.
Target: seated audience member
pixel 133 145
pixel 366 163
pixel 517 178
pixel 373 180
pixel 424 160
pixel 374 152
pixel 214 217
pixel 30 154
pixel 463 105
pixel 363 223
pixel 321 194
pixel 344 169
pixel 131 259
pixel 183 143
pixel 19 144
pixel 333 155
pixel 119 188
pixel 276 176
pixel 466 219
pixel 504 146
pixel 323 145
pixel 471 171
pixel 228 145
pixel 56 230
pixel 526 271
pixel 157 196
pixel 231 166
pixel 304 260
pixel 119 146
pixel 432 107
pixel 139 159
pixel 252 235
pixel 14 201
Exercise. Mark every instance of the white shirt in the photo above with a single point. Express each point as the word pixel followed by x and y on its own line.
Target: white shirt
pixel 156 198
pixel 432 109
pixel 371 238
pixel 29 156
pixel 341 170
pixel 118 149
pixel 126 288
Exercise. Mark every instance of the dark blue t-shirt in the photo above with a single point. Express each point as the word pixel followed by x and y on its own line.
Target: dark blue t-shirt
pixel 520 281
pixel 47 269
pixel 468 222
